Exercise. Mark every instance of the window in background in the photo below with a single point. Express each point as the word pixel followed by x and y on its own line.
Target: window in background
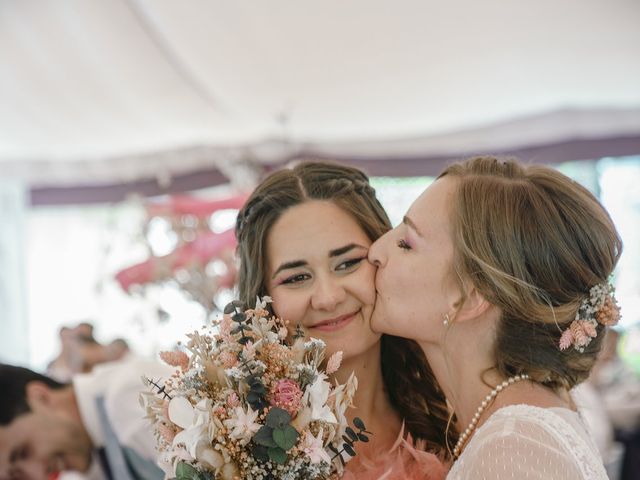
pixel 620 193
pixel 14 338
pixel 397 194
pixel 73 254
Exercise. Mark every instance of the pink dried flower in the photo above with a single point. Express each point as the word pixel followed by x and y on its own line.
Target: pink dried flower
pixel 609 314
pixel 566 340
pixel 166 432
pixel 588 328
pixel 333 364
pixel 286 394
pixel 176 359
pixel 600 307
pixel 225 326
pixel 228 359
pixel 232 400
pixel 580 337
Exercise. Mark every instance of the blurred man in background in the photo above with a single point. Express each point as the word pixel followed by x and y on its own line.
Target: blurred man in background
pixel 94 424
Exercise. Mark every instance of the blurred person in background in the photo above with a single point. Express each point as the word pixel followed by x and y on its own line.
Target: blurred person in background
pixel 618 387
pixel 62 367
pixel 590 405
pixel 80 352
pixel 117 349
pixel 92 425
pixel 618 384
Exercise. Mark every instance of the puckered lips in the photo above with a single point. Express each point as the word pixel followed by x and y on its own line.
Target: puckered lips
pixel 335 323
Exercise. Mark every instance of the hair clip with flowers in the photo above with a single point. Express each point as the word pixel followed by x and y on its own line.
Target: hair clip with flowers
pixel 601 307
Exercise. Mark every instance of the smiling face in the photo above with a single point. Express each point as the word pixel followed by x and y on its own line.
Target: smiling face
pixel 319 277
pixel 38 444
pixel 415 283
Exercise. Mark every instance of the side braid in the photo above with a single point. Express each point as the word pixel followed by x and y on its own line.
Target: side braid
pixel 415 393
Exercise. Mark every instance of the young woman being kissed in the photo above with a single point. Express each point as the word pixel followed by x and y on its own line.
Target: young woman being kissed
pixel 303 239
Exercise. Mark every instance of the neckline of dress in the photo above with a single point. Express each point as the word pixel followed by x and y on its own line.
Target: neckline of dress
pixel 502 411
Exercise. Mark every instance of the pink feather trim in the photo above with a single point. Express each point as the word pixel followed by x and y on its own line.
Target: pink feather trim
pixel 405 460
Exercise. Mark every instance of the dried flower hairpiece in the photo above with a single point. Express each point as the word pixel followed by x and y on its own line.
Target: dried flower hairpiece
pixel 601 307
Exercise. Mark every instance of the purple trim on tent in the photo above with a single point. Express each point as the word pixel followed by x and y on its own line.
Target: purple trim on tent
pixel 84 194
pixel 578 149
pixel 547 154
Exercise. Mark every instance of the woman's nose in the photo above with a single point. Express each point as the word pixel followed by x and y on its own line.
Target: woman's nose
pixel 377 254
pixel 327 295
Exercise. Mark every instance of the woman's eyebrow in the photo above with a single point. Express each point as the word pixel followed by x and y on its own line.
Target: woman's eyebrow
pixel 301 263
pixel 347 248
pixel 289 265
pixel 407 221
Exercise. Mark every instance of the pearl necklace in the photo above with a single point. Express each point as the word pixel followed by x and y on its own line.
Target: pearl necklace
pixel 485 403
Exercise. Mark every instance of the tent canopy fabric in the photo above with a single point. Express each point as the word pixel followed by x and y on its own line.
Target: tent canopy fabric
pixel 102 93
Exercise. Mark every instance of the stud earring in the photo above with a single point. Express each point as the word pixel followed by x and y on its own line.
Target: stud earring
pixel 445 322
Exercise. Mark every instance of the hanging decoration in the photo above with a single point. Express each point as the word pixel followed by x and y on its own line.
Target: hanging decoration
pixel 202 260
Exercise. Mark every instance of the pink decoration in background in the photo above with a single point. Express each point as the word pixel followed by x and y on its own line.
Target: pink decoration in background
pixel 185 205
pixel 203 249
pixel 191 263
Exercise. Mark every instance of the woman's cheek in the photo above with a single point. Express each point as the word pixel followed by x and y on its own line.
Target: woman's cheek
pixel 368 283
pixel 288 305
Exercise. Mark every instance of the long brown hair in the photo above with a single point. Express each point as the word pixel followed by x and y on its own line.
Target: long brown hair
pixel 409 381
pixel 533 242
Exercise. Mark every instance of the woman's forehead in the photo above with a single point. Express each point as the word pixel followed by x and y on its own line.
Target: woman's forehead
pixel 431 210
pixel 310 230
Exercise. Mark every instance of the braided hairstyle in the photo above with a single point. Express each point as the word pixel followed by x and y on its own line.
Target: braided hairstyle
pixel 409 381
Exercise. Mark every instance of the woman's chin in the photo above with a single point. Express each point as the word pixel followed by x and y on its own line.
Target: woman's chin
pixel 351 347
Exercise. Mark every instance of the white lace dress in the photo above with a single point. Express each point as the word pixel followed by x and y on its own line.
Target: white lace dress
pixel 526 442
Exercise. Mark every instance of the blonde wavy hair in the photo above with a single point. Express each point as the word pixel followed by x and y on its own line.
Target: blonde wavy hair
pixel 533 242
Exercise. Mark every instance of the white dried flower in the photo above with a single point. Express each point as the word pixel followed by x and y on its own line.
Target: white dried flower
pixel 243 424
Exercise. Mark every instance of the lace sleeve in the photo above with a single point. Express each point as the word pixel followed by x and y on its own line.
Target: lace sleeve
pixel 515 449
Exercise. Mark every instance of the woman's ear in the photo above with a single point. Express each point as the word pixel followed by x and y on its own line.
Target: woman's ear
pixel 474 306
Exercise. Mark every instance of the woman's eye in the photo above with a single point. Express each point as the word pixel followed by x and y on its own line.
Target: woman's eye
pixel 300 277
pixel 350 263
pixel 403 245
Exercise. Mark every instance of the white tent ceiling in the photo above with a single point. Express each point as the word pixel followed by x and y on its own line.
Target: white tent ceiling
pixel 106 91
